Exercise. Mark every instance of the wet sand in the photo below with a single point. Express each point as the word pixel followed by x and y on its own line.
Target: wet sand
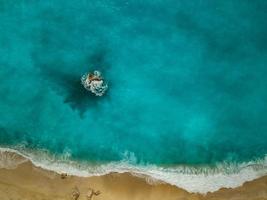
pixel 28 182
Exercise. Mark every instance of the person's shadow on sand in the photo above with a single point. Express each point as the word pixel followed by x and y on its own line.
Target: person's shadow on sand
pixel 75 193
pixel 89 196
pixel 91 193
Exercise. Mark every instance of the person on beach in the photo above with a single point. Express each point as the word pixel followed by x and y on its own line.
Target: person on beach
pixel 91 193
pixel 63 175
pixel 75 193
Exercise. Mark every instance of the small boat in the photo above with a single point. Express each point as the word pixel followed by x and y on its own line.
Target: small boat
pixel 94 83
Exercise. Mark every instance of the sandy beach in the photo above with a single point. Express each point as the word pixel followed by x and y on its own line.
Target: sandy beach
pixel 28 182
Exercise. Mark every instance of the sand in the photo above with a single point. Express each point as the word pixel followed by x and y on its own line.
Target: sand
pixel 28 182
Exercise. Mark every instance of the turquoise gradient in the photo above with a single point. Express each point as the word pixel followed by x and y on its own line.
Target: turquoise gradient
pixel 187 79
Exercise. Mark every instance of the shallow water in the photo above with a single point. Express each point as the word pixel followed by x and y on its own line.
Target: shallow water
pixel 187 79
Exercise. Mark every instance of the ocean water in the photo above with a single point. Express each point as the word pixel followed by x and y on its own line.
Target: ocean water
pixel 187 82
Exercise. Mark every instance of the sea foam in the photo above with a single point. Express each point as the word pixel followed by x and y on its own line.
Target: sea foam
pixel 193 179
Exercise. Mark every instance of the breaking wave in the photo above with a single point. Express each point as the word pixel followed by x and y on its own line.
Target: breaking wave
pixel 201 179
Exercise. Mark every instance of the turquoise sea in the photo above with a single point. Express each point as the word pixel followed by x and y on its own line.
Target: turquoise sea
pixel 187 81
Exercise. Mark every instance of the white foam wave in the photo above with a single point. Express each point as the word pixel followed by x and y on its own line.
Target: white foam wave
pixel 193 179
pixel 10 160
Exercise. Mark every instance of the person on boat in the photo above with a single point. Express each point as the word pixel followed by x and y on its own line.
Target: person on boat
pixel 93 77
pixel 94 83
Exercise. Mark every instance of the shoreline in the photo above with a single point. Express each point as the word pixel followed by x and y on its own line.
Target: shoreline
pixel 27 181
pixel 13 161
pixel 189 179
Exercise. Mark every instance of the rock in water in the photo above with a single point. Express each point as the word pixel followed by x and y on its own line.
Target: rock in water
pixel 94 83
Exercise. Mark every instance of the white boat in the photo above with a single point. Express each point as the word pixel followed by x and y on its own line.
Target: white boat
pixel 94 83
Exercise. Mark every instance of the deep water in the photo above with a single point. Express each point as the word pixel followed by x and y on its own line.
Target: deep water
pixel 187 79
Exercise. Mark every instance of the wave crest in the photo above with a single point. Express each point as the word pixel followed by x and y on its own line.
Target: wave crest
pixel 10 159
pixel 193 179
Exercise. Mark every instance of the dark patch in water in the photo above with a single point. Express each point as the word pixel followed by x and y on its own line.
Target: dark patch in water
pixel 98 60
pixel 11 136
pixel 214 44
pixel 225 43
pixel 66 79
